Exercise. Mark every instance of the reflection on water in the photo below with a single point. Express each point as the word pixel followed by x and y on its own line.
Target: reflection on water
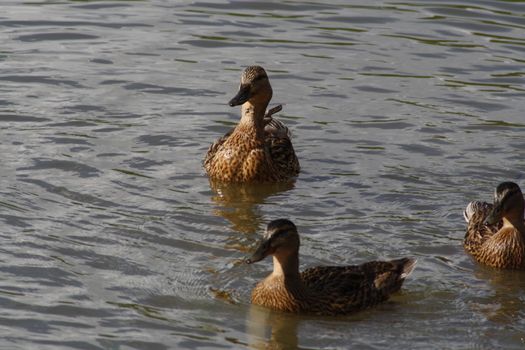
pixel 240 203
pixel 402 112
pixel 268 329
pixel 504 301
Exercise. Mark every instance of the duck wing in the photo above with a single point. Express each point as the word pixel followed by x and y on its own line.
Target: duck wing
pixel 477 231
pixel 214 147
pixel 342 289
pixel 279 144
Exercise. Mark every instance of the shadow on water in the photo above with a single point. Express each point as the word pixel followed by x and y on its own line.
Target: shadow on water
pixel 240 203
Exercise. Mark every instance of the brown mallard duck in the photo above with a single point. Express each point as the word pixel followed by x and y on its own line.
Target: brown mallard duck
pixel 259 148
pixel 322 290
pixel 496 232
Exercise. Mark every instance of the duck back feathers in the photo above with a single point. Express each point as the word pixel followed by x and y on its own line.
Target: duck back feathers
pixel 345 289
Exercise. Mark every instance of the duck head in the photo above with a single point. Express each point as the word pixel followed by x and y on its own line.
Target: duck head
pixel 280 239
pixel 508 203
pixel 255 88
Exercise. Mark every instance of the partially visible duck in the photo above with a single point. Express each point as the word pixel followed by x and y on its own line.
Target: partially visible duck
pixel 322 290
pixel 496 232
pixel 259 148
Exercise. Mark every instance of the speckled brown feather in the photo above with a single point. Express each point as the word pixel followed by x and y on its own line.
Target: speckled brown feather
pixel 277 142
pixel 477 231
pixel 237 157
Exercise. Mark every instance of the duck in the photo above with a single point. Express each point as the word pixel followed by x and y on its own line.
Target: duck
pixel 259 148
pixel 495 233
pixel 320 290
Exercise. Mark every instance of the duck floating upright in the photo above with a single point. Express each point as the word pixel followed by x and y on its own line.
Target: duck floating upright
pixel 322 290
pixel 496 232
pixel 259 148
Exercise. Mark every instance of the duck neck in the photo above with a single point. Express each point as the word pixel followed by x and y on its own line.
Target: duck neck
pixel 514 218
pixel 252 117
pixel 286 266
pixel 515 222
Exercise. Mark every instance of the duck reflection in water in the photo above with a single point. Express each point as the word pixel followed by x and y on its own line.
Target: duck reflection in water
pixel 269 329
pixel 240 203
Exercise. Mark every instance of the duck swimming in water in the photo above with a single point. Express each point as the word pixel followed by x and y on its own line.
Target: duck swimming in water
pixel 259 148
pixel 322 290
pixel 496 232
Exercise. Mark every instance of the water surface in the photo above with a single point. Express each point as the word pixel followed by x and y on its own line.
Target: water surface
pixel 113 237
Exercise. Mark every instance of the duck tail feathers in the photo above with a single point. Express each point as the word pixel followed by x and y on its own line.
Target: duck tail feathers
pixel 476 207
pixel 408 266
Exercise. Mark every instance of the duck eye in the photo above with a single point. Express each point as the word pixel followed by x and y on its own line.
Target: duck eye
pixel 282 233
pixel 259 77
pixel 508 195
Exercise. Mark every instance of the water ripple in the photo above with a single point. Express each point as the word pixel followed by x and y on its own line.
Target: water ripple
pixel 113 237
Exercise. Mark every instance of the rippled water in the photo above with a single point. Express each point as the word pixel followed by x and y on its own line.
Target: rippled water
pixel 113 238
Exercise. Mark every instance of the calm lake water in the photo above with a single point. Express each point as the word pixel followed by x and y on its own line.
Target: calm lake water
pixel 112 237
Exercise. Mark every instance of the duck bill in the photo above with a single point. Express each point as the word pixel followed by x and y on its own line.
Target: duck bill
pixel 262 251
pixel 242 96
pixel 495 214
